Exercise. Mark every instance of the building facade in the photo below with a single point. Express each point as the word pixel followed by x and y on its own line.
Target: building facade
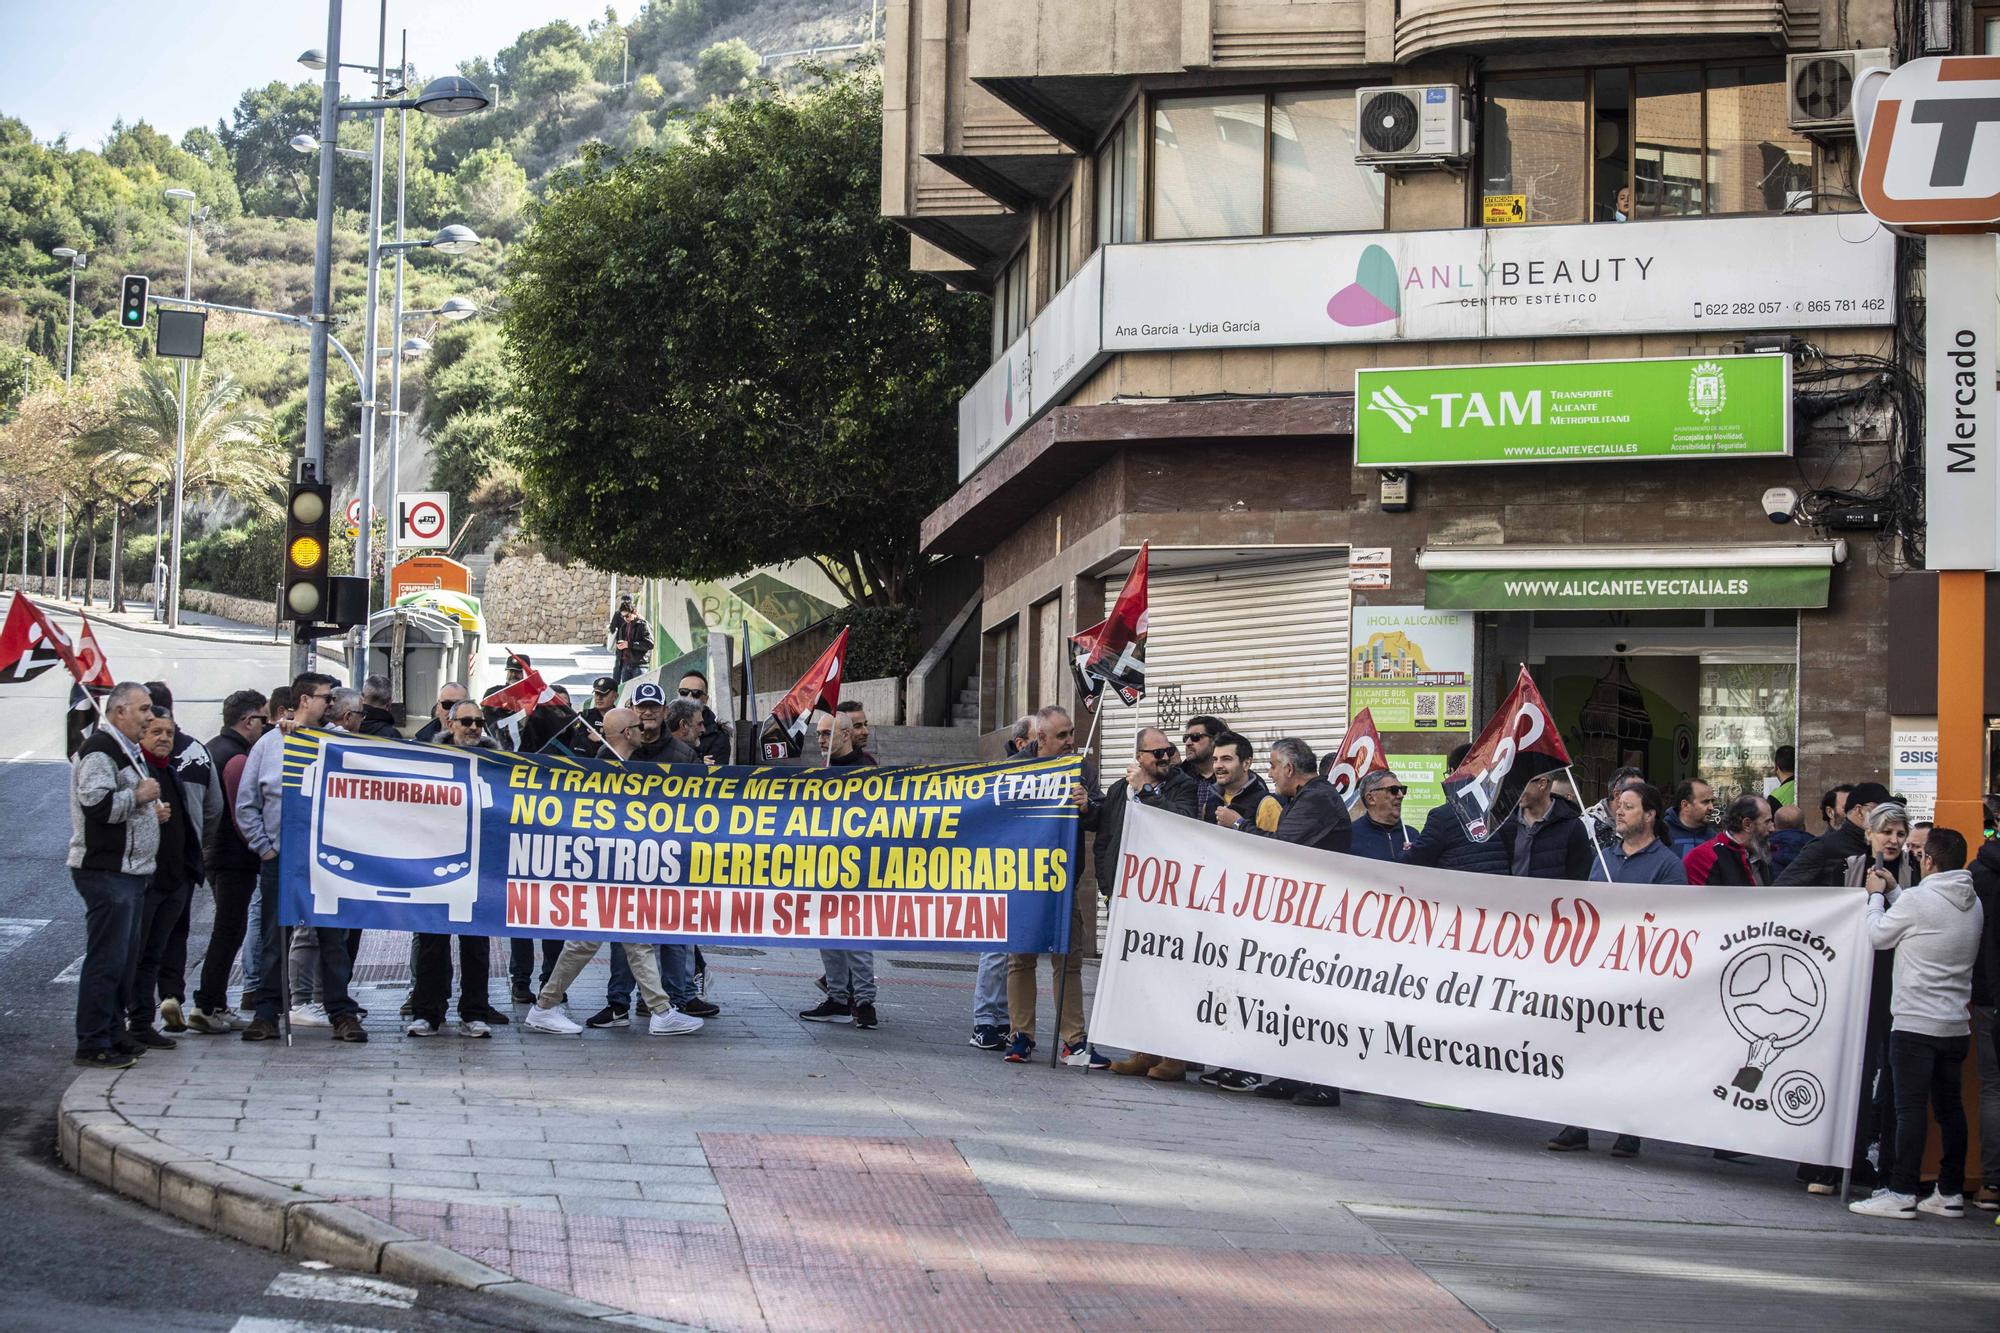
pixel 1428 340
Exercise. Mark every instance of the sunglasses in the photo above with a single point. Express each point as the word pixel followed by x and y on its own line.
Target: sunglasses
pixel 694 694
pixel 1194 737
pixel 1393 791
pixel 479 722
pixel 1163 752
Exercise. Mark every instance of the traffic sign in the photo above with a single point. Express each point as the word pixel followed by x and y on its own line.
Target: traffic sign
pixel 354 517
pixel 1930 143
pixel 423 518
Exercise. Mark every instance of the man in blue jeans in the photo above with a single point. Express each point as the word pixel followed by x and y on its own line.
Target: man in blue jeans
pixel 259 816
pixel 115 819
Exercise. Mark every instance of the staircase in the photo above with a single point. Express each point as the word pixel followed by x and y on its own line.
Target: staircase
pixel 477 563
pixel 965 711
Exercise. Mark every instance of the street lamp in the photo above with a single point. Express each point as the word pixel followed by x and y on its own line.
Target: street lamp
pixel 306 143
pixel 76 263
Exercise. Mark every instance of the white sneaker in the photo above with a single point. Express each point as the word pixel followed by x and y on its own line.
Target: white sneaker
pixel 420 1027
pixel 473 1027
pixel 1941 1204
pixel 236 1020
pixel 550 1020
pixel 673 1023
pixel 310 1016
pixel 1886 1203
pixel 209 1024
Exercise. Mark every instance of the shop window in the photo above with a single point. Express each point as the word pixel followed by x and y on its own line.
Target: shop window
pixel 1117 183
pixel 1208 167
pixel 1055 246
pixel 1533 139
pixel 1748 710
pixel 1316 185
pixel 1010 303
pixel 1666 144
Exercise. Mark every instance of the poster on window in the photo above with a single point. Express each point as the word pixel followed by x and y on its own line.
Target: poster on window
pixel 1412 668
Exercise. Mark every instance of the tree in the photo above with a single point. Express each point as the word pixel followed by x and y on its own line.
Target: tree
pixel 647 90
pixel 721 359
pixel 724 68
pixel 272 178
pixel 492 192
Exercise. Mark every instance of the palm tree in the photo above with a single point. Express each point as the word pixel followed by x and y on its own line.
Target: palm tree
pixel 228 451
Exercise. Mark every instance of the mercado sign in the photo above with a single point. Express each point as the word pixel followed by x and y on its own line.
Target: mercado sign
pixel 1573 411
pixel 1731 1018
pixel 398 836
pixel 1717 588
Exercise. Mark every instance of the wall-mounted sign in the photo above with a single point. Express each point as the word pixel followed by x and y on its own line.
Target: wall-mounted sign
pixel 1573 411
pixel 1722 587
pixel 1411 667
pixel 1503 210
pixel 1913 761
pixel 423 518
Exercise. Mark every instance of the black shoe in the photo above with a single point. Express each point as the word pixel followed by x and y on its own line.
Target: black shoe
pixel 1316 1095
pixel 521 993
pixel 126 1046
pixel 484 1013
pixel 640 1009
pixel 261 1029
pixel 698 1008
pixel 1215 1076
pixel 828 1011
pixel 348 1028
pixel 147 1037
pixel 1281 1088
pixel 864 1016
pixel 1724 1155
pixel 102 1057
pixel 1571 1139
pixel 407 1012
pixel 1625 1145
pixel 610 1016
pixel 1235 1080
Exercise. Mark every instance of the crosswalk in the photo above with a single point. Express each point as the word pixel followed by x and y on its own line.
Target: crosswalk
pixel 310 1282
pixel 16 931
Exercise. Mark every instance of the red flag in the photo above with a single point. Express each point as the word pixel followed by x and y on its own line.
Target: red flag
pixel 1113 651
pixel 1359 754
pixel 1519 744
pixel 523 696
pixel 31 643
pixel 785 731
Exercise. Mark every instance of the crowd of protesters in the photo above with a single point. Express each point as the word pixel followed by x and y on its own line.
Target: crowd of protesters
pixel 157 814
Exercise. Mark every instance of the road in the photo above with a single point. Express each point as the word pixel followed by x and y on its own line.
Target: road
pixel 145 1270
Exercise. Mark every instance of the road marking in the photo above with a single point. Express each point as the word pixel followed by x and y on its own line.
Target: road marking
pixel 69 975
pixel 14 932
pixel 344 1290
pixel 254 1324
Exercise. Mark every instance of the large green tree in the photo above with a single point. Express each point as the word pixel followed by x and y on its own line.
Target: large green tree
pixel 721 358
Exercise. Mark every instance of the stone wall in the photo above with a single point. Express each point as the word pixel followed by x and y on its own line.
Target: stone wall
pixel 529 599
pixel 242 610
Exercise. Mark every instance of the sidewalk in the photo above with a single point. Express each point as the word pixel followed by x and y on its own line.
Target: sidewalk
pixel 772 1174
pixel 138 617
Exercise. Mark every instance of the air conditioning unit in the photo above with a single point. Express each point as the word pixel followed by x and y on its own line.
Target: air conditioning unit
pixel 1415 124
pixel 1820 88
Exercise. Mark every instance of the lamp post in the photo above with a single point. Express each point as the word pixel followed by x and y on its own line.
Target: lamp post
pixel 180 429
pixel 455 308
pixel 76 263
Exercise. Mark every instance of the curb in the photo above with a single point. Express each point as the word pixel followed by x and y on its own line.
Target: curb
pixel 97 1142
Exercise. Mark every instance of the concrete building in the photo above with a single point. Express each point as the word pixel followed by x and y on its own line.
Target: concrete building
pixel 1228 243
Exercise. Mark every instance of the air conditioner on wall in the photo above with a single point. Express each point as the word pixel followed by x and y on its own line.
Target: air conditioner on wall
pixel 1411 125
pixel 1820 88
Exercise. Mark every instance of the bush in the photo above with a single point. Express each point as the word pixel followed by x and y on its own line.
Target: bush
pixel 241 561
pixel 882 640
pixel 724 68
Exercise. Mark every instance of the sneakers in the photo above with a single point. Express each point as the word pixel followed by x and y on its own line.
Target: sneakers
pixel 522 993
pixel 698 1008
pixel 170 1015
pixel 488 1015
pixel 553 1021
pixel 864 1015
pixel 207 1024
pixel 1625 1145
pixel 1571 1139
pixel 1941 1204
pixel 1887 1203
pixel 1987 1200
pixel 672 1023
pixel 147 1037
pixel 473 1027
pixel 1020 1049
pixel 420 1027
pixel 829 1011
pixel 988 1037
pixel 236 1021
pixel 1236 1080
pixel 610 1016
pixel 1214 1076
pixel 1136 1063
pixel 640 1009
pixel 261 1029
pixel 1316 1095
pixel 310 1016
pixel 348 1028
pixel 1823 1188
pixel 1082 1055
pixel 102 1057
pixel 1280 1089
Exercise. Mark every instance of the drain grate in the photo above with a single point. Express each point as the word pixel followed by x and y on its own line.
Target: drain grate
pixel 935 967
pixel 733 951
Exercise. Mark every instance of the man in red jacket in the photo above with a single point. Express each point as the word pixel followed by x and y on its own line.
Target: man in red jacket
pixel 1738 855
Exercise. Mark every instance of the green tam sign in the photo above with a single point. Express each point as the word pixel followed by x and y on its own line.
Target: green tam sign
pixel 1573 411
pixel 1721 587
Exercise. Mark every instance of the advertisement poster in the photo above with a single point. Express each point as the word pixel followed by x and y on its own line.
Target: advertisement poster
pixel 1423 774
pixel 1913 758
pixel 1412 667
pixel 1731 1018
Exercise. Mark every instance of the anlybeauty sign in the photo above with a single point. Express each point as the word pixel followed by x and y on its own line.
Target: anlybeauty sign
pixel 1573 411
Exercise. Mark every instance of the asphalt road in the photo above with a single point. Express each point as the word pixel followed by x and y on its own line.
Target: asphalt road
pixel 78 1257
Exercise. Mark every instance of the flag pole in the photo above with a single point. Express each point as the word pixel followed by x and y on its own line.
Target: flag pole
pixel 1595 845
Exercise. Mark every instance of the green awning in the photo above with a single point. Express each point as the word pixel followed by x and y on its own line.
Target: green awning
pixel 1608 588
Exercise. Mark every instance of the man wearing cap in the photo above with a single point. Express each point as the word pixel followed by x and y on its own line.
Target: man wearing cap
pixel 603 698
pixel 649 701
pixel 1380 834
pixel 1823 861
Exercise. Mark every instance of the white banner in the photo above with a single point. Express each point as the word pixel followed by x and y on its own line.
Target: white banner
pixel 1731 1018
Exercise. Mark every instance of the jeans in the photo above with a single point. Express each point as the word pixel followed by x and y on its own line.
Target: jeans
pixel 233 890
pixel 989 992
pixel 521 961
pixel 1986 1033
pixel 1928 1069
pixel 577 953
pixel 676 964
pixel 164 905
pixel 253 957
pixel 112 903
pixel 335 965
pixel 432 976
pixel 850 975
pixel 1021 974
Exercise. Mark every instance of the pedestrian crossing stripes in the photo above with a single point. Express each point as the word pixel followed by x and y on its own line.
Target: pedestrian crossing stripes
pixel 16 931
pixel 344 1290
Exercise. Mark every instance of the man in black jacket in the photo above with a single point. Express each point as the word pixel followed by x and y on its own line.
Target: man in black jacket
pixel 1551 839
pixel 631 641
pixel 376 719
pixel 1444 842
pixel 450 695
pixel 713 743
pixel 232 866
pixel 1823 861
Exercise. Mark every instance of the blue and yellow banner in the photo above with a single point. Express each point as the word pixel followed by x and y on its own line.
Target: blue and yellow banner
pixel 398 836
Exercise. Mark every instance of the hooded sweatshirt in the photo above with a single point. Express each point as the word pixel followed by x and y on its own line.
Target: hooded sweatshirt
pixel 1934 928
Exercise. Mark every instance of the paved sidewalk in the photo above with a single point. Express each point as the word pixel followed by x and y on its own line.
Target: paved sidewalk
pixel 771 1174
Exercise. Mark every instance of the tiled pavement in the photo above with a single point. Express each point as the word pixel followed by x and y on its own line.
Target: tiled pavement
pixel 767 1173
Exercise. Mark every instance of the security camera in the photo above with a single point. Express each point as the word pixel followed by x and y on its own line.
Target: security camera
pixel 1780 504
pixel 1621 648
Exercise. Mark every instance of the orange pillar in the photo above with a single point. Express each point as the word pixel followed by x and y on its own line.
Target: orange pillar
pixel 1962 702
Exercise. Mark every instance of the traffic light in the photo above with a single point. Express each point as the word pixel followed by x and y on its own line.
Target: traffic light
pixel 308 548
pixel 132 310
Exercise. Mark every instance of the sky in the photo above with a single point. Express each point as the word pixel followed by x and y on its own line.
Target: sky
pixel 75 66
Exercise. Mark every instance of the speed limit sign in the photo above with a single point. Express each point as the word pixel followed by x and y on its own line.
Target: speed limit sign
pixel 423 518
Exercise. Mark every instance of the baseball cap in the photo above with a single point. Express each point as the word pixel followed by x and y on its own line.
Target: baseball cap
pixel 1867 793
pixel 603 685
pixel 649 693
pixel 518 662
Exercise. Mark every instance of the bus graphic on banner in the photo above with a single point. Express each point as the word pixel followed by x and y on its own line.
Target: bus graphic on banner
pixel 394 828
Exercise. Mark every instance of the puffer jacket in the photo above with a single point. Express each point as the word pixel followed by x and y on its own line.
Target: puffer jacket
pixel 109 829
pixel 1443 844
pixel 1560 846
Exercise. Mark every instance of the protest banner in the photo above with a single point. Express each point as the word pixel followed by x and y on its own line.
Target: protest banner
pixel 1731 1018
pixel 390 835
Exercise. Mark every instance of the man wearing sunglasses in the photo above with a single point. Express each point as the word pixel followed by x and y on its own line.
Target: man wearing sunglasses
pixel 430 983
pixel 713 742
pixel 1198 742
pixel 1380 834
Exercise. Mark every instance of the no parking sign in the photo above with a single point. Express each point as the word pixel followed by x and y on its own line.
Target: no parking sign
pixel 423 518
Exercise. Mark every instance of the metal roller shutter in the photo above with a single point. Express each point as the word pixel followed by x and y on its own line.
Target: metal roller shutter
pixel 1262 646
